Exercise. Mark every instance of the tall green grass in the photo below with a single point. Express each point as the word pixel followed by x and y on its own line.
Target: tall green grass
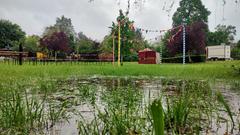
pixel 23 113
pixel 221 99
pixel 210 70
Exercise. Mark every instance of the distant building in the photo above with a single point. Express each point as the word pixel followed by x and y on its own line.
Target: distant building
pixel 148 56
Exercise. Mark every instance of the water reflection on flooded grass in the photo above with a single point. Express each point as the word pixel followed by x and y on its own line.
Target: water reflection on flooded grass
pixel 91 98
pixel 112 105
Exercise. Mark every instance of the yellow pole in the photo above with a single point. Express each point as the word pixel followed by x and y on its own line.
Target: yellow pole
pixel 119 42
pixel 113 59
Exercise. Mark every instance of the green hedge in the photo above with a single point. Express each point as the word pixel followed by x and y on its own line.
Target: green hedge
pixel 235 53
pixel 194 58
pixel 131 58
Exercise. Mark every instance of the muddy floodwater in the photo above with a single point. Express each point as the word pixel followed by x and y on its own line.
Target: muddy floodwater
pixel 83 97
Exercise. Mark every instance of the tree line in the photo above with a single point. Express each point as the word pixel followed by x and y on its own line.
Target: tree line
pixel 194 15
pixel 60 39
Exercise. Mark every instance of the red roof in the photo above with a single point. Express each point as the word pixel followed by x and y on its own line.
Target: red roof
pixel 146 50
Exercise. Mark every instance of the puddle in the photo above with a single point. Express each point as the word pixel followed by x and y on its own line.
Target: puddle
pixel 147 90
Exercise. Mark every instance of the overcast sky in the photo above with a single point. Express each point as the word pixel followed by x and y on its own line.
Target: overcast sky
pixel 94 18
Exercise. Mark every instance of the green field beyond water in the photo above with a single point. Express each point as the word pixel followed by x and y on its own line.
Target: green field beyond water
pixel 209 70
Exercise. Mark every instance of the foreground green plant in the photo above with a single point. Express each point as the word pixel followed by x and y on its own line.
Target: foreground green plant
pixel 221 99
pixel 157 113
pixel 21 113
pixel 120 115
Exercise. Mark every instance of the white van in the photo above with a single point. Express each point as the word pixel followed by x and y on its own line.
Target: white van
pixel 218 52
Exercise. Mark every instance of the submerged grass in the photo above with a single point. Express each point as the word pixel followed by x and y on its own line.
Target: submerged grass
pixel 21 112
pixel 221 99
pixel 191 110
pixel 115 109
pixel 121 114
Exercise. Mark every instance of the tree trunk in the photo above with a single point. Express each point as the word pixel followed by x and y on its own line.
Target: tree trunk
pixel 20 53
pixel 55 56
pixel 189 57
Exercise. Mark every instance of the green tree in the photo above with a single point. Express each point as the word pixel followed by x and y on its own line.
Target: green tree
pixel 238 44
pixel 136 43
pixel 85 44
pixel 107 44
pixel 190 11
pixel 63 24
pixel 31 43
pixel 50 30
pixel 10 34
pixel 235 52
pixel 162 45
pixel 131 39
pixel 223 34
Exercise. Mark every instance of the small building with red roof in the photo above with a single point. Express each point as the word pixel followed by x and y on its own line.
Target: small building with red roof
pixel 148 56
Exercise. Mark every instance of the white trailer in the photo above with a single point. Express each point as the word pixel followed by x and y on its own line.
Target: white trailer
pixel 218 52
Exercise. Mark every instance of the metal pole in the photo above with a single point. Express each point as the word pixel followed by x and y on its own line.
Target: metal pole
pixel 184 44
pixel 161 44
pixel 119 43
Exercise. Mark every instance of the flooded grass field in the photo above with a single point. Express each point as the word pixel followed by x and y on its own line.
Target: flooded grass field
pixel 111 105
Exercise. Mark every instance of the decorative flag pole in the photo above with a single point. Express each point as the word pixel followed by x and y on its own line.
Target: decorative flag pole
pixel 184 44
pixel 161 50
pixel 113 49
pixel 119 42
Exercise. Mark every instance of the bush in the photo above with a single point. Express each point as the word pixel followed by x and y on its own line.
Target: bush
pixel 235 53
pixel 194 58
pixel 130 58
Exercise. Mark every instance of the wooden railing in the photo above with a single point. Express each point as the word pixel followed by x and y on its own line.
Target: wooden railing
pixel 13 54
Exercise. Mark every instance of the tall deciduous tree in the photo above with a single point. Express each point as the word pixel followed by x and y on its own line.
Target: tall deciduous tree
pixel 131 39
pixel 57 42
pixel 195 40
pixel 85 44
pixel 189 12
pixel 194 14
pixel 63 24
pixel 223 34
pixel 10 34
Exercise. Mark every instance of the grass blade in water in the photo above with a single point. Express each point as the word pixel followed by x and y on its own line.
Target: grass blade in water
pixel 221 99
pixel 158 117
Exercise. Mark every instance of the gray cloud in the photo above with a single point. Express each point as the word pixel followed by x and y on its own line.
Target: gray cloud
pixel 94 18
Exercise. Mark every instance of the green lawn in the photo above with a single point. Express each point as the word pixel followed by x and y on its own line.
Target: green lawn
pixel 209 70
